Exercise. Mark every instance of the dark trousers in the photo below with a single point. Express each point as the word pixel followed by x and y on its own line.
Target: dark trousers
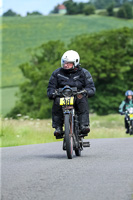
pixel 81 107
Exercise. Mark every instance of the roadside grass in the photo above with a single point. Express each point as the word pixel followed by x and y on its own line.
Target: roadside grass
pixel 25 131
pixel 109 126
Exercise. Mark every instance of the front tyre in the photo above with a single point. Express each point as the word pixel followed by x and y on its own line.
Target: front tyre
pixel 131 130
pixel 78 152
pixel 68 137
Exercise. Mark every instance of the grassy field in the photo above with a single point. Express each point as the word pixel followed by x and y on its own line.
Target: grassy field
pixel 8 99
pixel 26 131
pixel 23 33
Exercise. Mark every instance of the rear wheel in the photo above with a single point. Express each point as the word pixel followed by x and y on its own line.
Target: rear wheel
pixel 68 137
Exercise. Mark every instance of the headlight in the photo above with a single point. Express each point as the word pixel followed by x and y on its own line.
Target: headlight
pixel 67 92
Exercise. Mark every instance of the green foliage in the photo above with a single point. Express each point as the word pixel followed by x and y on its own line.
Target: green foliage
pixel 80 8
pixel 89 10
pixel 76 8
pixel 109 58
pixel 107 55
pixel 101 4
pixel 102 12
pixel 55 10
pixel 104 4
pixel 121 13
pixel 125 11
pixel 110 10
pixel 34 13
pixel 10 13
pixel 72 7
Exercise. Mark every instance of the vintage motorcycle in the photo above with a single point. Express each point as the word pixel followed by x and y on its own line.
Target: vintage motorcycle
pixel 129 117
pixel 72 138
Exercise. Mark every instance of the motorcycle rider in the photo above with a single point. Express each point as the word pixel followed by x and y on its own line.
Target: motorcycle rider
pixel 127 103
pixel 70 73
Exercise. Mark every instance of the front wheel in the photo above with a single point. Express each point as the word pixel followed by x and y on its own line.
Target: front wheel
pixel 78 152
pixel 68 137
pixel 131 130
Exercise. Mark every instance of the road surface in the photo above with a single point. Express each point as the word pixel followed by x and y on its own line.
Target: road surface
pixel 43 172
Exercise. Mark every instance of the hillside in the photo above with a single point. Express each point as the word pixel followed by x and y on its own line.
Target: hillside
pixel 22 33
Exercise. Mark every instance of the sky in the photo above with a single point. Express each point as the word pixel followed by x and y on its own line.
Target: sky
pixel 23 6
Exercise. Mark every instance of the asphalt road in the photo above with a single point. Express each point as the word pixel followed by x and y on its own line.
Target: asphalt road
pixel 43 172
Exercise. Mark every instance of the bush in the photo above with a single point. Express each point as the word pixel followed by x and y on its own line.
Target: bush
pixel 34 13
pixel 89 10
pixel 125 11
pixel 110 10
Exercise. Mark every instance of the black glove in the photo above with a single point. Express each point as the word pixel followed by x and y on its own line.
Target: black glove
pixel 53 95
pixel 122 113
pixel 85 93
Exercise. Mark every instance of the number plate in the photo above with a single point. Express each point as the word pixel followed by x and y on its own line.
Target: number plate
pixel 131 115
pixel 66 101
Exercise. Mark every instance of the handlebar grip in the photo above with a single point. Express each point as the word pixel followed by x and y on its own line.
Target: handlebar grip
pixel 82 91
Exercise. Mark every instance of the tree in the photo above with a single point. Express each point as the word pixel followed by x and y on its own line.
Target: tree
pixel 34 13
pixel 101 4
pixel 80 8
pixel 121 13
pixel 108 56
pixel 72 7
pixel 128 10
pixel 125 11
pixel 89 10
pixel 55 10
pixel 110 10
pixel 10 13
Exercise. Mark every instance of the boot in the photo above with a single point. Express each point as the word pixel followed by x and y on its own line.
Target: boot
pixel 85 130
pixel 127 131
pixel 58 132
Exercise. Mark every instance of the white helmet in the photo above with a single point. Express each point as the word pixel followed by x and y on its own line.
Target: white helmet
pixel 70 56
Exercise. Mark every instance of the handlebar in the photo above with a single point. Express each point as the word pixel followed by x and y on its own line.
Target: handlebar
pixel 59 92
pixel 125 113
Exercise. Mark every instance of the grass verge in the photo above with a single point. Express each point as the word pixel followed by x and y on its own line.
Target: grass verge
pixel 26 131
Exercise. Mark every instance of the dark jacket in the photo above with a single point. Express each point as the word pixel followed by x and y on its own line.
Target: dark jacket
pixel 79 78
